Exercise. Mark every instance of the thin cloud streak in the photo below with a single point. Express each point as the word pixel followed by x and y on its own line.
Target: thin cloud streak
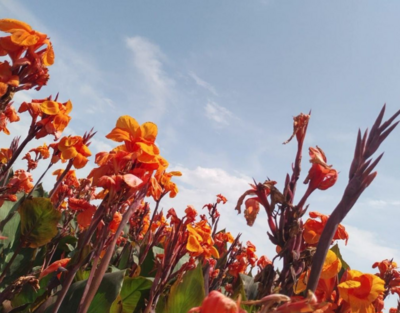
pixel 217 113
pixel 202 83
pixel 147 59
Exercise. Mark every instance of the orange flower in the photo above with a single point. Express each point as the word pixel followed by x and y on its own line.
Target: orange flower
pixel 54 118
pixel 8 115
pixel 5 155
pixel 361 290
pixel 216 302
pixel 320 175
pixel 54 115
pixel 200 241
pixel 300 123
pixel 221 198
pixel 74 148
pixel 7 78
pixel 139 139
pixel 313 229
pixel 54 267
pixel 41 151
pixel 115 222
pixel 22 181
pixel 23 35
pixel 252 208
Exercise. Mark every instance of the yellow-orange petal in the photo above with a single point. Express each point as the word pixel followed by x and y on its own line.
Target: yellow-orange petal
pixel 119 135
pixel 332 265
pixel 3 89
pixel 129 124
pixel 69 153
pixel 80 161
pixel 193 245
pixel 49 107
pixel 84 150
pixel 148 132
pixel 61 121
pixel 24 38
pixel 68 107
pixel 301 283
pixel 214 252
pixel 48 55
pixel 8 24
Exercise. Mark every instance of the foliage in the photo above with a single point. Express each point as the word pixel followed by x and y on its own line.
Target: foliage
pixel 94 244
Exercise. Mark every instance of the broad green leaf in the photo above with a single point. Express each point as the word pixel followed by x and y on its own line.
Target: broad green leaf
pixel 239 290
pixel 38 221
pixel 250 287
pixel 10 228
pixel 187 293
pixel 108 291
pixel 132 297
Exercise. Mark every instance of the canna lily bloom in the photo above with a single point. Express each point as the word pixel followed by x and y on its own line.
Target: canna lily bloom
pixel 252 208
pixel 5 155
pixel 320 175
pixel 221 198
pixel 361 290
pixel 117 218
pixel 72 147
pixel 300 123
pixel 54 118
pixel 41 151
pixel 21 181
pixel 200 241
pixel 54 267
pixel 8 115
pixel 216 302
pixel 23 35
pixel 313 229
pixel 7 79
pixel 139 139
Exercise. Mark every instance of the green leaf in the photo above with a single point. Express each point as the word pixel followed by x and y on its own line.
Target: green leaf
pixel 250 287
pixel 132 297
pixel 187 293
pixel 108 291
pixel 345 266
pixel 10 228
pixel 38 221
pixel 147 267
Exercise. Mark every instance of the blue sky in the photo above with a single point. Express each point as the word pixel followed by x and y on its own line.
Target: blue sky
pixel 223 80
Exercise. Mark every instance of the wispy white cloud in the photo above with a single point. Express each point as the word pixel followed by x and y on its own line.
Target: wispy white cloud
pixel 202 83
pixel 147 59
pixel 217 113
pixel 380 204
pixel 366 247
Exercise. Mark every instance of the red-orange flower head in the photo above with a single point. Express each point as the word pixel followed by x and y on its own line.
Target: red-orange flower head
pixel 320 175
pixel 24 37
pixel 200 241
pixel 7 78
pixel 72 147
pixel 54 116
pixel 360 290
pixel 216 302
pixel 300 123
pixel 313 229
pixel 140 140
